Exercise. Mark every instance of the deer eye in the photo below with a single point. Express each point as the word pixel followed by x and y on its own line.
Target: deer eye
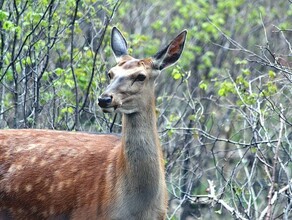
pixel 140 77
pixel 110 75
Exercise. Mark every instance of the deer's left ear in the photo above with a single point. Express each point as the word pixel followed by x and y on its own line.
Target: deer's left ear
pixel 171 53
pixel 118 43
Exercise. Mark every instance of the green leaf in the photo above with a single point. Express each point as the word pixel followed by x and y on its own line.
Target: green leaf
pixel 222 92
pixel 69 110
pixel 226 88
pixel 246 72
pixel 176 74
pixel 240 62
pixel 8 25
pixel 253 150
pixel 3 15
pixel 272 74
pixel 59 71
pixel 192 117
pixel 203 86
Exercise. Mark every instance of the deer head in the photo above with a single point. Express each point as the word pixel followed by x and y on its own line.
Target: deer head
pixel 131 87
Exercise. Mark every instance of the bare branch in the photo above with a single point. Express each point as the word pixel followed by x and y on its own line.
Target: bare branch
pixel 212 198
pixel 274 170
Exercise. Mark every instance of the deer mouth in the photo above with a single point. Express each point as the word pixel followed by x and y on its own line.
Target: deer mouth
pixel 109 106
pixel 109 109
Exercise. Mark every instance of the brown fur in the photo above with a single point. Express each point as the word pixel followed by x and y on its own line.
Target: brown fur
pixel 48 173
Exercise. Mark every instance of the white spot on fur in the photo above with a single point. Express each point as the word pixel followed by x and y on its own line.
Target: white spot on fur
pixel 19 167
pixel 60 186
pixel 15 167
pixel 55 156
pixel 33 159
pixel 58 173
pixel 47 182
pixel 8 188
pixel 28 188
pixel 16 188
pixel 31 146
pixel 51 150
pixel 51 190
pixel 43 163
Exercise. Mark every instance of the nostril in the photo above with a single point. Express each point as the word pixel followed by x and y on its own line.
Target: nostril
pixel 104 101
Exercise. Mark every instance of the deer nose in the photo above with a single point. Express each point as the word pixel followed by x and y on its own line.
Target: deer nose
pixel 104 101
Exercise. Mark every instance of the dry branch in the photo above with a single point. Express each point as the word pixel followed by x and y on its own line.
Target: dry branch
pixel 213 199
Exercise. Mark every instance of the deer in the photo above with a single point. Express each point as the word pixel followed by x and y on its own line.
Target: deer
pixel 50 174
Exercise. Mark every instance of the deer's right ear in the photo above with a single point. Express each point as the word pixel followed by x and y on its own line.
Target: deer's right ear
pixel 118 43
pixel 171 53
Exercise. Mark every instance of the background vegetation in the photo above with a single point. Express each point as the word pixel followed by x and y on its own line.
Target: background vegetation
pixel 224 111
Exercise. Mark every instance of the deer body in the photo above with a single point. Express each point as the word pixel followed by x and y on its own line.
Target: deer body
pixel 68 175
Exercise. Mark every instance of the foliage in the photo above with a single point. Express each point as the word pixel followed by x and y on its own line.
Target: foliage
pixel 49 53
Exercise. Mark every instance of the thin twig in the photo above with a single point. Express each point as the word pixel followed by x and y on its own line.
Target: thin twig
pixel 274 170
pixel 275 197
pixel 212 198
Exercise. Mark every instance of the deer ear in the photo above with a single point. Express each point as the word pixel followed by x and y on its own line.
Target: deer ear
pixel 118 43
pixel 171 53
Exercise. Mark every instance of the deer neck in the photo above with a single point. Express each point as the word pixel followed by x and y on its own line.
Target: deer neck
pixel 140 137
pixel 141 150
